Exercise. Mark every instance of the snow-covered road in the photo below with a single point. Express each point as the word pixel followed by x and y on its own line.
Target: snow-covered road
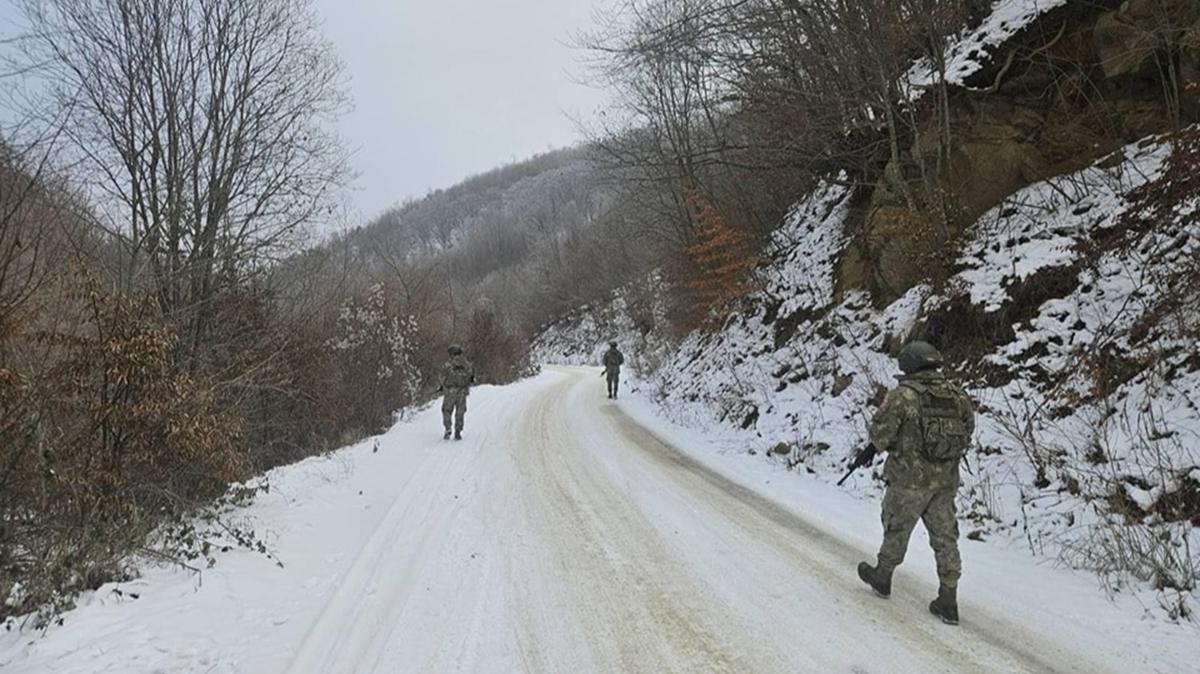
pixel 560 536
pixel 565 537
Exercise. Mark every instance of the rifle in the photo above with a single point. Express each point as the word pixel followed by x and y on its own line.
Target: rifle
pixel 864 458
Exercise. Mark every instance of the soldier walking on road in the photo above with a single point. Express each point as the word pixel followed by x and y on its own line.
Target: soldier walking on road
pixel 613 360
pixel 925 425
pixel 457 377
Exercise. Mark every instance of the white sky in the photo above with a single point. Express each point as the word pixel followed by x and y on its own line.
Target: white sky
pixel 444 89
pixel 448 88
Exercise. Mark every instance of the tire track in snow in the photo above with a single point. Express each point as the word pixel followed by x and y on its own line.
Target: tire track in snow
pixel 640 617
pixel 360 616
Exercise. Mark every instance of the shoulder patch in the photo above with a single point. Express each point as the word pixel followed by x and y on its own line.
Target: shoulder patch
pixel 901 400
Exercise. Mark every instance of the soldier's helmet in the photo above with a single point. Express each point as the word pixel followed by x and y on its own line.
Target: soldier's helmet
pixel 454 349
pixel 917 356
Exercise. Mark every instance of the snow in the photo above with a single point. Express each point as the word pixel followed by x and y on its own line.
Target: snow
pixel 1039 227
pixel 568 533
pixel 808 269
pixel 969 52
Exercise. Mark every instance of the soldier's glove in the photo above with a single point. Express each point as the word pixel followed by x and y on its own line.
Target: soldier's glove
pixel 865 456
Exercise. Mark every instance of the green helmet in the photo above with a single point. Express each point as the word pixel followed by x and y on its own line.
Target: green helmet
pixel 454 349
pixel 917 356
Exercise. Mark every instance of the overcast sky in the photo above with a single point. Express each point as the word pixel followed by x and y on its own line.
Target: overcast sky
pixel 444 89
pixel 448 88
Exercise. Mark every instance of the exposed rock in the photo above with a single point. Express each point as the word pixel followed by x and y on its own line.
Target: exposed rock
pixel 853 269
pixel 1127 38
pixel 898 247
pixel 842 382
pixel 1092 84
pixel 1124 47
pixel 997 155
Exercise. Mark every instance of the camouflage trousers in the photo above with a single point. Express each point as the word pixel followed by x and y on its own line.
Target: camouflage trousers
pixel 614 381
pixel 936 508
pixel 454 408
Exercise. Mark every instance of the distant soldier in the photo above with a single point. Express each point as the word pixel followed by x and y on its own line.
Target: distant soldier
pixel 925 425
pixel 613 360
pixel 457 377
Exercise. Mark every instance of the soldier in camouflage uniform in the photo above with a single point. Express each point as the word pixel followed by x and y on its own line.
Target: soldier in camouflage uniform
pixel 925 425
pixel 613 360
pixel 457 377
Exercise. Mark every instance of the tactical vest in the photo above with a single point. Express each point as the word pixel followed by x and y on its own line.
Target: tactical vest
pixel 944 434
pixel 458 376
pixel 613 359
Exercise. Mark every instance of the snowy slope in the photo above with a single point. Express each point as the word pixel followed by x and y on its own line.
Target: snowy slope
pixel 1086 381
pixel 626 318
pixel 563 535
pixel 968 53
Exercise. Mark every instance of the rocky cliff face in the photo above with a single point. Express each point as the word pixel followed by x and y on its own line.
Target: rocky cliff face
pixel 1037 89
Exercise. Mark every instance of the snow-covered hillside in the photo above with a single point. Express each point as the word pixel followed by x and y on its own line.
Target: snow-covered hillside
pixel 628 317
pixel 1071 311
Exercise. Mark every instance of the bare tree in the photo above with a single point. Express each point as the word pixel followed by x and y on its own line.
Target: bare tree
pixel 751 100
pixel 21 242
pixel 665 133
pixel 199 123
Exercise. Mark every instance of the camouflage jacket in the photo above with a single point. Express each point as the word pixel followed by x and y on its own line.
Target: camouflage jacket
pixel 896 429
pixel 613 360
pixel 458 373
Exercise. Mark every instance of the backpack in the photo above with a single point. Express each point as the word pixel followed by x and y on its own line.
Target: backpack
pixel 458 375
pixel 944 434
pixel 613 358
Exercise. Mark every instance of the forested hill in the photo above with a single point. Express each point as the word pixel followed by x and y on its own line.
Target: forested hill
pixel 433 223
pixel 524 240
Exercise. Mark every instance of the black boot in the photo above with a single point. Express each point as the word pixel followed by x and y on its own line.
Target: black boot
pixel 446 435
pixel 946 605
pixel 879 579
pixel 458 435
